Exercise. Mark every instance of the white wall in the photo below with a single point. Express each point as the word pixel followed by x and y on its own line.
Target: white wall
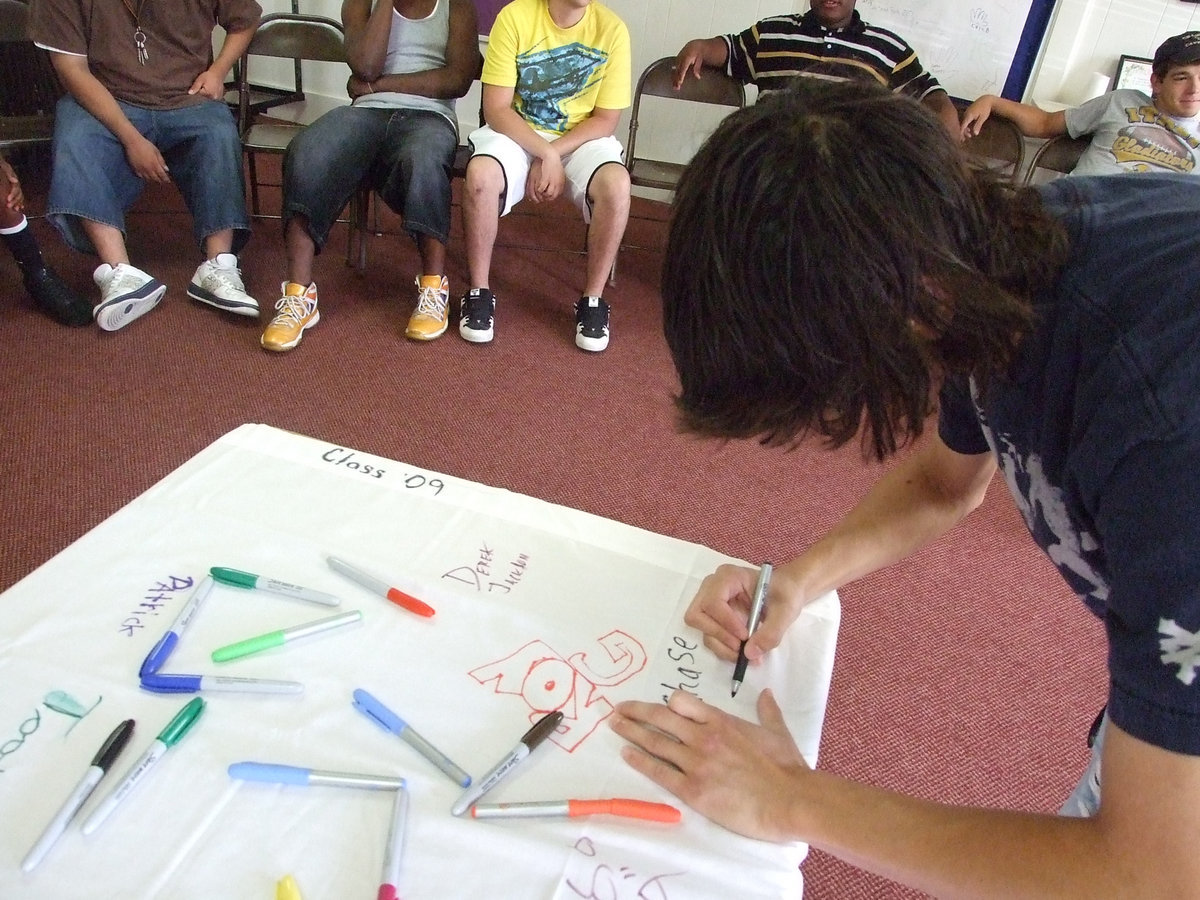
pixel 1085 38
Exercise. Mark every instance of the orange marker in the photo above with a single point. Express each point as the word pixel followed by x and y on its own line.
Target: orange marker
pixel 629 809
pixel 377 586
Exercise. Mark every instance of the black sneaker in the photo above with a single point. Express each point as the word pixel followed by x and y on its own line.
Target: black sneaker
pixel 52 296
pixel 476 312
pixel 591 324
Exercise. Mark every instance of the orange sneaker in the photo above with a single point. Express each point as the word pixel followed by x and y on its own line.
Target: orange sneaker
pixel 432 315
pixel 297 312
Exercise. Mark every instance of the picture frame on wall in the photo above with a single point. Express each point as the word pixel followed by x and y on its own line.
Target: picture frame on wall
pixel 1133 73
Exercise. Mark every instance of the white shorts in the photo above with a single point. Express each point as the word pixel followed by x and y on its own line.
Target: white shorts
pixel 579 165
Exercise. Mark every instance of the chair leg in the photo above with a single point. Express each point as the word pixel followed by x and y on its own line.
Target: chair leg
pixel 612 275
pixel 254 210
pixel 364 206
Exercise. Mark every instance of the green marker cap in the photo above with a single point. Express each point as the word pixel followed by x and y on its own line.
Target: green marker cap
pixel 182 723
pixel 236 577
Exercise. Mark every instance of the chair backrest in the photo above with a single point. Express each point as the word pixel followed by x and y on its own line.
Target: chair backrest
pixel 713 87
pixel 1060 154
pixel 293 36
pixel 29 89
pixel 999 146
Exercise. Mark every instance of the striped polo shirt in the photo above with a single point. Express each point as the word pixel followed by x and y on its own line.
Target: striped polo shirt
pixel 779 48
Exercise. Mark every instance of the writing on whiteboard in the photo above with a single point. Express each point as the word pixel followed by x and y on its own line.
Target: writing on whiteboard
pixel 969 47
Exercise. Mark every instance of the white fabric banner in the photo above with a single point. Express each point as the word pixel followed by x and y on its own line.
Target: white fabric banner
pixel 538 607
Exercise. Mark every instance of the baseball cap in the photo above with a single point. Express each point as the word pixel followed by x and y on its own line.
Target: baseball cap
pixel 1180 50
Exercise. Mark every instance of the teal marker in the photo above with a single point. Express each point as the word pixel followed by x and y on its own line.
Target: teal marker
pixel 281 637
pixel 238 578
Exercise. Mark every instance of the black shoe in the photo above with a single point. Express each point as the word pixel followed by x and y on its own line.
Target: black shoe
pixel 52 296
pixel 591 324
pixel 477 316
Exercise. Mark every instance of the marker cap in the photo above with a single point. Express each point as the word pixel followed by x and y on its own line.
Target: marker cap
pixel 182 723
pixel 236 577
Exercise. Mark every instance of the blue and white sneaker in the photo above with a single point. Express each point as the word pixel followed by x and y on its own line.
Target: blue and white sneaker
pixel 126 293
pixel 218 283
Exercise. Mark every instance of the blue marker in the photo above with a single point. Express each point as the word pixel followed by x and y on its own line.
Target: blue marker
pixel 191 684
pixel 374 710
pixel 277 773
pixel 159 653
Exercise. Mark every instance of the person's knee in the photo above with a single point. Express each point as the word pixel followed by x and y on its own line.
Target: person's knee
pixel 484 175
pixel 610 187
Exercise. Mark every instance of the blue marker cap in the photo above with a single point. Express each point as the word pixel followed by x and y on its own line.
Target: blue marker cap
pixel 158 654
pixel 275 773
pixel 171 684
pixel 373 709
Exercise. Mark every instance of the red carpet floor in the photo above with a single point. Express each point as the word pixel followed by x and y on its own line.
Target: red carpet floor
pixel 967 675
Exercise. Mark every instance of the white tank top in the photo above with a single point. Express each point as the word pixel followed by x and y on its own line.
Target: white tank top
pixel 415 45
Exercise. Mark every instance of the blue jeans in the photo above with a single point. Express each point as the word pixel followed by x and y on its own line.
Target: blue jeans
pixel 406 153
pixel 93 180
pixel 1084 801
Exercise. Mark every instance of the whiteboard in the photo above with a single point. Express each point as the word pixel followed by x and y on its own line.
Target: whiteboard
pixel 969 45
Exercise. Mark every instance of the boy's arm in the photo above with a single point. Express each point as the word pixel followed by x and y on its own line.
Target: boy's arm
pixel 77 78
pixel 367 33
pixel 600 124
pixel 697 54
pixel 211 82
pixel 1033 122
pixel 938 102
pixel 501 117
pixel 752 780
pixel 14 198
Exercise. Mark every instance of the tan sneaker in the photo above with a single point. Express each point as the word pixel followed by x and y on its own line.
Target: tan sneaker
pixel 297 312
pixel 432 315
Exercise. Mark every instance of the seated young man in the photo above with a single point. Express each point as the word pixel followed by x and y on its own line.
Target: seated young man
pixel 831 41
pixel 555 79
pixel 1130 131
pixel 410 59
pixel 146 102
pixel 42 283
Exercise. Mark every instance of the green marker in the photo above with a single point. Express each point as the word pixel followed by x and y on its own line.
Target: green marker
pixel 238 578
pixel 281 637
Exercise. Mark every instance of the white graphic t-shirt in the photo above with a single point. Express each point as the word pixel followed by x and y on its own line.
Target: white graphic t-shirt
pixel 1130 134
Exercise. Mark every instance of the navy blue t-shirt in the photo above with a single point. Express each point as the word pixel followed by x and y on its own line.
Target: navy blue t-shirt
pixel 1097 432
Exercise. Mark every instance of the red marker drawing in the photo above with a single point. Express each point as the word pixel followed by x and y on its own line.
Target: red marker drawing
pixel 377 586
pixel 629 809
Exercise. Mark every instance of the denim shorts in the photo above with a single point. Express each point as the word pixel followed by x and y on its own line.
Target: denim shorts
pixel 406 154
pixel 93 180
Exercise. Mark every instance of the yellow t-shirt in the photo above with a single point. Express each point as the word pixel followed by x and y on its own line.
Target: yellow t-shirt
pixel 559 75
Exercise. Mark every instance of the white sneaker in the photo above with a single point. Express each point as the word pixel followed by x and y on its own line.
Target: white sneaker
pixel 125 294
pixel 218 283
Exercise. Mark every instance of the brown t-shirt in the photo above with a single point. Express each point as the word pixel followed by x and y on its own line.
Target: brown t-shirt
pixel 178 41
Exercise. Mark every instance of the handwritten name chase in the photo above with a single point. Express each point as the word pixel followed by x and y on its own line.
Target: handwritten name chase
pixel 682 652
